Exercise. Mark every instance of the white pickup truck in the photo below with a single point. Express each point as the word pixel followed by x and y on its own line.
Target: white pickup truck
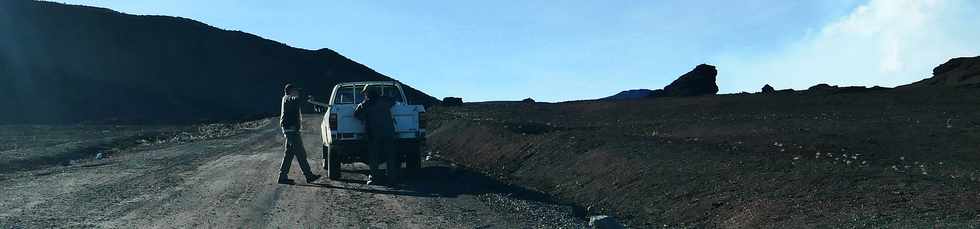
pixel 343 134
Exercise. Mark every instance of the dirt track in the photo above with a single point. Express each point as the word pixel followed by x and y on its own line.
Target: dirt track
pixel 230 182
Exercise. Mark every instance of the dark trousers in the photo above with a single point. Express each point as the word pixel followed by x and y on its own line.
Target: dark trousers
pixel 294 148
pixel 383 149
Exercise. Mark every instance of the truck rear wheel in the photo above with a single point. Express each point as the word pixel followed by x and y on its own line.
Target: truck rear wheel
pixel 331 162
pixel 413 160
pixel 326 162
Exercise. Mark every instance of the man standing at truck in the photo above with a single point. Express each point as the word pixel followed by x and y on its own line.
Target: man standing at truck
pixel 290 121
pixel 375 113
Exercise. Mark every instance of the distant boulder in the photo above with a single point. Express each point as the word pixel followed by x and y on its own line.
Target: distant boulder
pixel 822 87
pixel 657 93
pixel 452 101
pixel 828 89
pixel 700 81
pixel 954 64
pixel 768 89
pixel 859 89
pixel 528 100
pixel 961 71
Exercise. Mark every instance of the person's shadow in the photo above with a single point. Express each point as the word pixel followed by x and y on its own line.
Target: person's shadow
pixel 437 181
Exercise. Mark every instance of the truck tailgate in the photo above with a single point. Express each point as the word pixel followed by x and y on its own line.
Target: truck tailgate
pixel 406 119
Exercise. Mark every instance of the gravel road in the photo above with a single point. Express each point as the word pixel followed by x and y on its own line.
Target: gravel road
pixel 230 183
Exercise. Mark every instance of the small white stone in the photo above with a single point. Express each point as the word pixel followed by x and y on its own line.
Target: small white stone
pixel 604 222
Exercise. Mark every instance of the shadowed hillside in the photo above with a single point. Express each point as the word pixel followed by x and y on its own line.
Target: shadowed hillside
pixel 901 158
pixel 957 72
pixel 64 63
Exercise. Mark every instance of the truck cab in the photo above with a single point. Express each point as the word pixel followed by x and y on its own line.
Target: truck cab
pixel 344 135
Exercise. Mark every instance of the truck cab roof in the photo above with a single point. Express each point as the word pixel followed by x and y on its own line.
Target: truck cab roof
pixel 368 83
pixel 348 92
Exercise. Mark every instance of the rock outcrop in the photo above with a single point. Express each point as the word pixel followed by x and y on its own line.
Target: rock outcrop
pixel 657 93
pixel 700 81
pixel 768 89
pixel 822 87
pixel 452 101
pixel 834 89
pixel 960 71
pixel 857 89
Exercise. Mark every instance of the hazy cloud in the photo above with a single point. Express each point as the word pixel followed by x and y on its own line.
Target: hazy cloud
pixel 883 42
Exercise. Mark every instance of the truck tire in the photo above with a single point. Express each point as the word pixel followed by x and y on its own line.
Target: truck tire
pixel 413 160
pixel 332 162
pixel 326 163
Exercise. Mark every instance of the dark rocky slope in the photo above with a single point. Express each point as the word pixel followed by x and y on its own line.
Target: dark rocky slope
pixel 828 156
pixel 961 71
pixel 64 63
pixel 885 158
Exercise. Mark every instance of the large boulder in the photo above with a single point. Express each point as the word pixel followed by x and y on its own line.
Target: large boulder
pixel 768 89
pixel 859 89
pixel 452 101
pixel 961 71
pixel 834 89
pixel 657 93
pixel 822 87
pixel 700 81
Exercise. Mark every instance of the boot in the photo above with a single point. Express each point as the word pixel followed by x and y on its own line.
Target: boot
pixel 286 181
pixel 311 178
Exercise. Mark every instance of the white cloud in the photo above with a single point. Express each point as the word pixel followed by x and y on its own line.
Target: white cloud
pixel 884 42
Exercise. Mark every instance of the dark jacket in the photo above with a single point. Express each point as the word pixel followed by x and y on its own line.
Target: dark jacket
pixel 376 115
pixel 289 118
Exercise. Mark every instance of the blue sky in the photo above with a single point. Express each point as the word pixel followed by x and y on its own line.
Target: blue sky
pixel 571 50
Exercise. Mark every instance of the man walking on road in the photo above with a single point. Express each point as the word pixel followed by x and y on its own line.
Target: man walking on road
pixel 375 112
pixel 290 121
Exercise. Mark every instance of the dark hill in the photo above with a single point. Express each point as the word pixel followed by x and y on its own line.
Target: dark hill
pixel 781 160
pixel 64 63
